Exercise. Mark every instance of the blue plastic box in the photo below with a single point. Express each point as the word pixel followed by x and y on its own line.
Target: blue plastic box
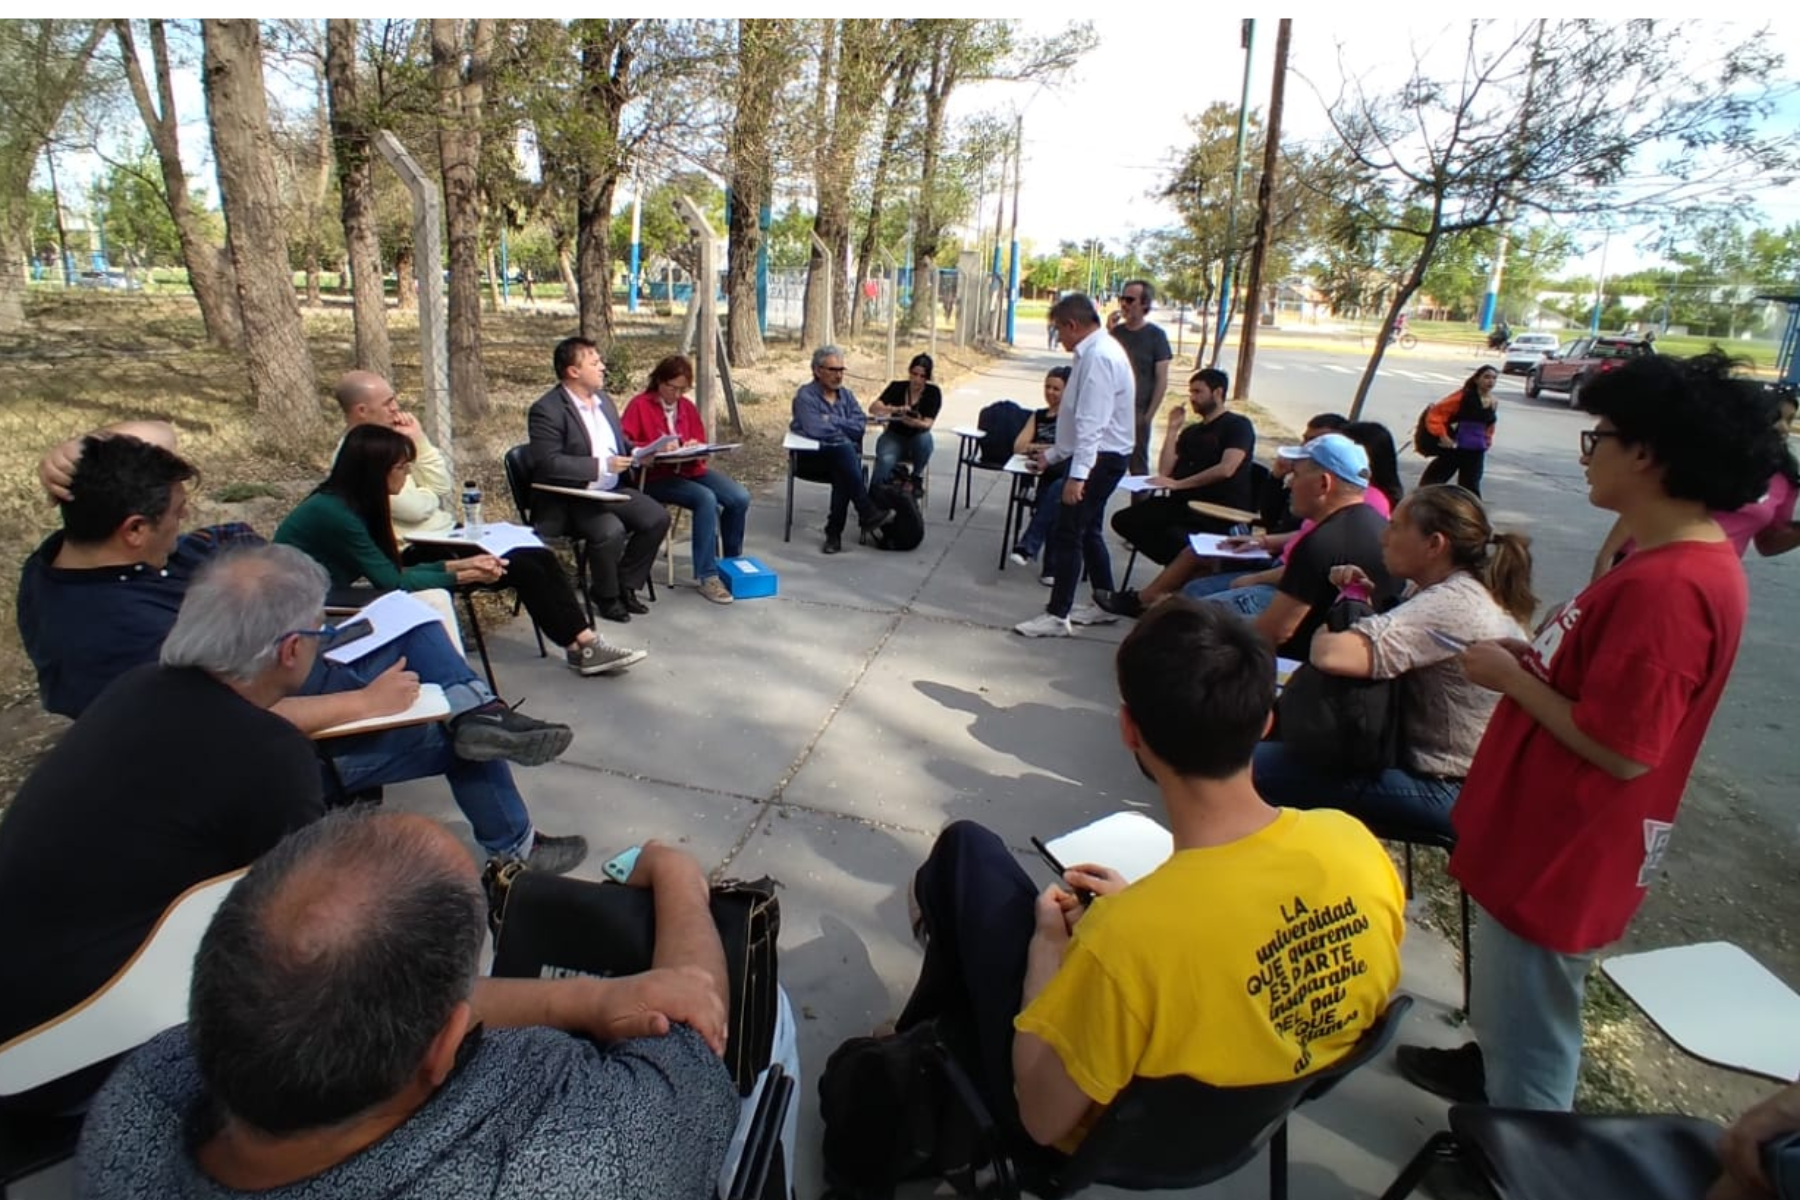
pixel 747 578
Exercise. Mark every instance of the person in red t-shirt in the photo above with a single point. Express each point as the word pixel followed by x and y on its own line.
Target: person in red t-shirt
pixel 1567 810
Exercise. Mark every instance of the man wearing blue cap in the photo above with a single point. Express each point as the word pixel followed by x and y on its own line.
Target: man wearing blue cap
pixel 1326 488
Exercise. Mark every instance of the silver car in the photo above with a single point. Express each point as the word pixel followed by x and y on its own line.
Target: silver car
pixel 1526 351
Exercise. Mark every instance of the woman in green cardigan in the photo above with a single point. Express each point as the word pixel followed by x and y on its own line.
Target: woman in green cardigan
pixel 345 525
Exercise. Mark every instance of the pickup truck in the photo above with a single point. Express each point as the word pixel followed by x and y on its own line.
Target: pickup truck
pixel 1582 361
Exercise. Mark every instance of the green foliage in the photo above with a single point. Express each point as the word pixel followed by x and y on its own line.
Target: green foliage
pixel 134 213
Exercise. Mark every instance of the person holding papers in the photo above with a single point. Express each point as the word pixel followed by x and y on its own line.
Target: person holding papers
pixel 1467 584
pixel 577 442
pixel 346 525
pixel 1207 460
pixel 718 502
pixel 101 596
pixel 1262 949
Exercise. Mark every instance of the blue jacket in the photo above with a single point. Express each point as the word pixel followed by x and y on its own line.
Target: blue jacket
pixel 825 422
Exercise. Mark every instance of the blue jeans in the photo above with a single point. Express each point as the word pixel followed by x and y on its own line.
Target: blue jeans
pixel 1049 499
pixel 1393 798
pixel 718 504
pixel 1079 536
pixel 843 462
pixel 1525 1008
pixel 892 446
pixel 1250 601
pixel 484 791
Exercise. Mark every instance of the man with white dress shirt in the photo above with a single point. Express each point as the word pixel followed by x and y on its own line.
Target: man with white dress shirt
pixel 1095 432
pixel 576 442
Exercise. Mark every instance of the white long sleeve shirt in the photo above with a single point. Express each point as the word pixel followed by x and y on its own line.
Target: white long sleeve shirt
pixel 1099 413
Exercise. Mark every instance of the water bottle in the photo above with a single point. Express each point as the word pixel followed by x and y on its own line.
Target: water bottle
pixel 471 502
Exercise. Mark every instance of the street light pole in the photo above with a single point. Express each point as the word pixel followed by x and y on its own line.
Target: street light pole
pixel 1600 286
pixel 1237 187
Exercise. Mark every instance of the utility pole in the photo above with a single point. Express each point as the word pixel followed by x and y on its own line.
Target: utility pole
pixel 637 244
pixel 1237 187
pixel 1265 212
pixel 1012 271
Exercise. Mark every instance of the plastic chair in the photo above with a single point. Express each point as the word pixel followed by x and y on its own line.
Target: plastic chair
pixel 518 481
pixel 1522 1154
pixel 144 997
pixel 803 464
pixel 1181 1133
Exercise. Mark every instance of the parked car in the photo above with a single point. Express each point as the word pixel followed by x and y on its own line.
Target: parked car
pixel 1526 351
pixel 108 279
pixel 1571 368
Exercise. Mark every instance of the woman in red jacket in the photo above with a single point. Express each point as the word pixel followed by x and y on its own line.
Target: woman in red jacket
pixel 719 502
pixel 1463 423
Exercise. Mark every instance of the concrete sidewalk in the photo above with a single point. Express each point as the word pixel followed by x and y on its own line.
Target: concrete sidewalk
pixel 823 736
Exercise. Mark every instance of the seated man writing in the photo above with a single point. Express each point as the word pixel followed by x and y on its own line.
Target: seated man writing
pixel 1277 931
pixel 101 596
pixel 340 1043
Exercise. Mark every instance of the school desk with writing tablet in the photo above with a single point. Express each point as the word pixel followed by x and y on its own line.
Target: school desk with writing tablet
pixel 1717 1003
pixel 580 493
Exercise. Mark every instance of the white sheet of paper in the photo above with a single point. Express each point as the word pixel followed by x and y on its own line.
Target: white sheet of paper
pixel 429 705
pixel 1211 545
pixel 1284 670
pixel 1130 843
pixel 498 538
pixel 390 615
pixel 1136 483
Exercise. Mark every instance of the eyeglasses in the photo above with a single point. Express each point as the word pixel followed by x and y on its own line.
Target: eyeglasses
pixel 1128 299
pixel 1590 440
pixel 332 636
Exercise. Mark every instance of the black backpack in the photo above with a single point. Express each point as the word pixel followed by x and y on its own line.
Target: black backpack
pixel 900 1107
pixel 1000 423
pixel 1336 723
pixel 907 529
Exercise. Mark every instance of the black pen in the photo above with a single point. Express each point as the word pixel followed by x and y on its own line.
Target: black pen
pixel 1082 894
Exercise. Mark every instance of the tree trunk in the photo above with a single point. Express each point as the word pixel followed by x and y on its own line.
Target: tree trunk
pixel 1265 213
pixel 459 86
pixel 814 319
pixel 208 267
pixel 406 283
pixel 493 274
pixel 743 333
pixel 566 267
pixel 279 365
pixel 926 230
pixel 607 54
pixel 860 79
pixel 356 196
pixel 905 69
pixel 1427 248
pixel 764 59
pixel 313 298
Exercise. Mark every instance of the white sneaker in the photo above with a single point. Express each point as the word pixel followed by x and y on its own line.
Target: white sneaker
pixel 1047 580
pixel 1088 614
pixel 1044 625
pixel 1018 558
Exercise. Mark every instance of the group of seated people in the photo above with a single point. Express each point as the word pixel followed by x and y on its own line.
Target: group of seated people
pixel 827 411
pixel 340 1040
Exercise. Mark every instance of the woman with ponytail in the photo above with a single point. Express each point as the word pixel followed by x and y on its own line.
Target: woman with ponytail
pixel 1467 584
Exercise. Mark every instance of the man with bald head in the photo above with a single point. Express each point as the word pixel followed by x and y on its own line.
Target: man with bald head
pixel 341 1043
pixel 422 508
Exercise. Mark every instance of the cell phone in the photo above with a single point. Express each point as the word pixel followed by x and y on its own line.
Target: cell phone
pixel 619 867
pixel 1082 894
pixel 1449 641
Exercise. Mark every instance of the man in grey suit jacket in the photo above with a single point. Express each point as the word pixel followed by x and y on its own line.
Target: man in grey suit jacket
pixel 576 442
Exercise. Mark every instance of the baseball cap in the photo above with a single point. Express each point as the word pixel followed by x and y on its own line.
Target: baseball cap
pixel 1334 453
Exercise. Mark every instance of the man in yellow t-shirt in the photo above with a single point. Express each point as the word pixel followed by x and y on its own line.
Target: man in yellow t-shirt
pixel 1263 948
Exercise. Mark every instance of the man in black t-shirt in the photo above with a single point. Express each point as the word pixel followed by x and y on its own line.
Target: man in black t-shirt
pixel 1330 475
pixel 1207 461
pixel 1147 346
pixel 178 773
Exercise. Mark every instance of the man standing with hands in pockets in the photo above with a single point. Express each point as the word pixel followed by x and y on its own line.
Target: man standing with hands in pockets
pixel 1094 435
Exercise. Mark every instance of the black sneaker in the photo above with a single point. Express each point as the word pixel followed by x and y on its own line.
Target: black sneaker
pixel 497 731
pixel 834 543
pixel 555 855
pixel 1120 604
pixel 1457 1075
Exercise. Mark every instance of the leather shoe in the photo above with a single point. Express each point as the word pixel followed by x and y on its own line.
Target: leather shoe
pixel 614 609
pixel 633 604
pixel 1121 604
pixel 834 543
pixel 1458 1075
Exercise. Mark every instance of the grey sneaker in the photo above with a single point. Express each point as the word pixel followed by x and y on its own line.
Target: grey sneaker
pixel 714 589
pixel 555 855
pixel 1043 625
pixel 496 731
pixel 602 658
pixel 1088 614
